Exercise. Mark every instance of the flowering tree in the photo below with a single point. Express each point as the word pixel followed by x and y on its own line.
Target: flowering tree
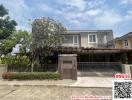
pixel 46 33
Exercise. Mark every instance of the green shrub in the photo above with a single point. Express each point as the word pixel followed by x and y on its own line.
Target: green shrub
pixel 17 63
pixel 31 76
pixel 15 60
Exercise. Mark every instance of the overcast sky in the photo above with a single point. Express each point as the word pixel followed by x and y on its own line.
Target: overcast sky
pixel 75 14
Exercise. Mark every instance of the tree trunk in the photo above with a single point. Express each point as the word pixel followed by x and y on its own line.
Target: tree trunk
pixel 32 66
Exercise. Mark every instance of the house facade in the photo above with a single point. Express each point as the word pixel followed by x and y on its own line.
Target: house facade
pixel 124 42
pixel 87 38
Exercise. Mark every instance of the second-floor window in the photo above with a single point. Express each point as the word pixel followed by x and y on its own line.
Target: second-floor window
pixel 71 39
pixel 92 38
pixel 75 38
pixel 105 39
pixel 126 43
pixel 68 39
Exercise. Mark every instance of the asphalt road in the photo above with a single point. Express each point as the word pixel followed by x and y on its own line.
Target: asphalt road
pixel 49 92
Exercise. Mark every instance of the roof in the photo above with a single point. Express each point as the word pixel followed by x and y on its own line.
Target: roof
pixel 90 30
pixel 87 31
pixel 124 36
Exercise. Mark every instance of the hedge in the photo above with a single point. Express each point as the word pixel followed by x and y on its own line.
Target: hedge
pixel 31 76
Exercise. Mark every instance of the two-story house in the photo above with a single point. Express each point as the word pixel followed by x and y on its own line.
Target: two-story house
pixel 124 41
pixel 87 38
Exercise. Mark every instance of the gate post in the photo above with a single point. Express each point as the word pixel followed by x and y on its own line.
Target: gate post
pixel 127 69
pixel 3 69
pixel 67 66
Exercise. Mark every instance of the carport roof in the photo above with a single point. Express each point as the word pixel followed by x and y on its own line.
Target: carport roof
pixel 82 50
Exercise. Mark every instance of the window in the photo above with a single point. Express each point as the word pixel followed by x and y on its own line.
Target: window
pixel 75 39
pixel 92 38
pixel 126 43
pixel 68 39
pixel 105 39
pixel 71 39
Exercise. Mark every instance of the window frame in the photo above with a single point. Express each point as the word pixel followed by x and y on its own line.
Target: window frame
pixel 126 42
pixel 73 40
pixel 95 38
pixel 105 39
pixel 64 39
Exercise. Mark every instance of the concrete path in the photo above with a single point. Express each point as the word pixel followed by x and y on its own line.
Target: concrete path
pixel 93 82
pixel 97 73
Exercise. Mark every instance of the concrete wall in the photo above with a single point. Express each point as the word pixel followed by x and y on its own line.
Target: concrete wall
pixel 119 44
pixel 102 35
pixel 3 68
pixel 127 69
pixel 130 42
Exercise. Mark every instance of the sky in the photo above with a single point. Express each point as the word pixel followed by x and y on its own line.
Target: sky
pixel 115 15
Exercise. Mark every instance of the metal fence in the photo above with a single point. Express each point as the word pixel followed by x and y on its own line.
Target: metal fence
pixel 84 66
pixel 36 68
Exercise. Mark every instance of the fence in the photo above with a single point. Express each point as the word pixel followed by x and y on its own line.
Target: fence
pixel 27 68
pixel 83 66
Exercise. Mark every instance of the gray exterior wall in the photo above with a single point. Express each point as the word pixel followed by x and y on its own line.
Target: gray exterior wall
pixel 100 34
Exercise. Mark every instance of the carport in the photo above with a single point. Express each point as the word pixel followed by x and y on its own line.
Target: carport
pixel 100 62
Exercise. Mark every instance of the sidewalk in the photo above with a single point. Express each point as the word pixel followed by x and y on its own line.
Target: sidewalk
pixel 38 82
pixel 81 82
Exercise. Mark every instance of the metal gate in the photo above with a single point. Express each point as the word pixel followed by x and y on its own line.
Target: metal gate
pixel 98 68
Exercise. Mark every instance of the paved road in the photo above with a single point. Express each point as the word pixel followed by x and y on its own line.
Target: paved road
pixel 49 92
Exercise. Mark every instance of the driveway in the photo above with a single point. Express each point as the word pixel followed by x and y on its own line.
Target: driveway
pixel 93 82
pixel 90 72
pixel 49 92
